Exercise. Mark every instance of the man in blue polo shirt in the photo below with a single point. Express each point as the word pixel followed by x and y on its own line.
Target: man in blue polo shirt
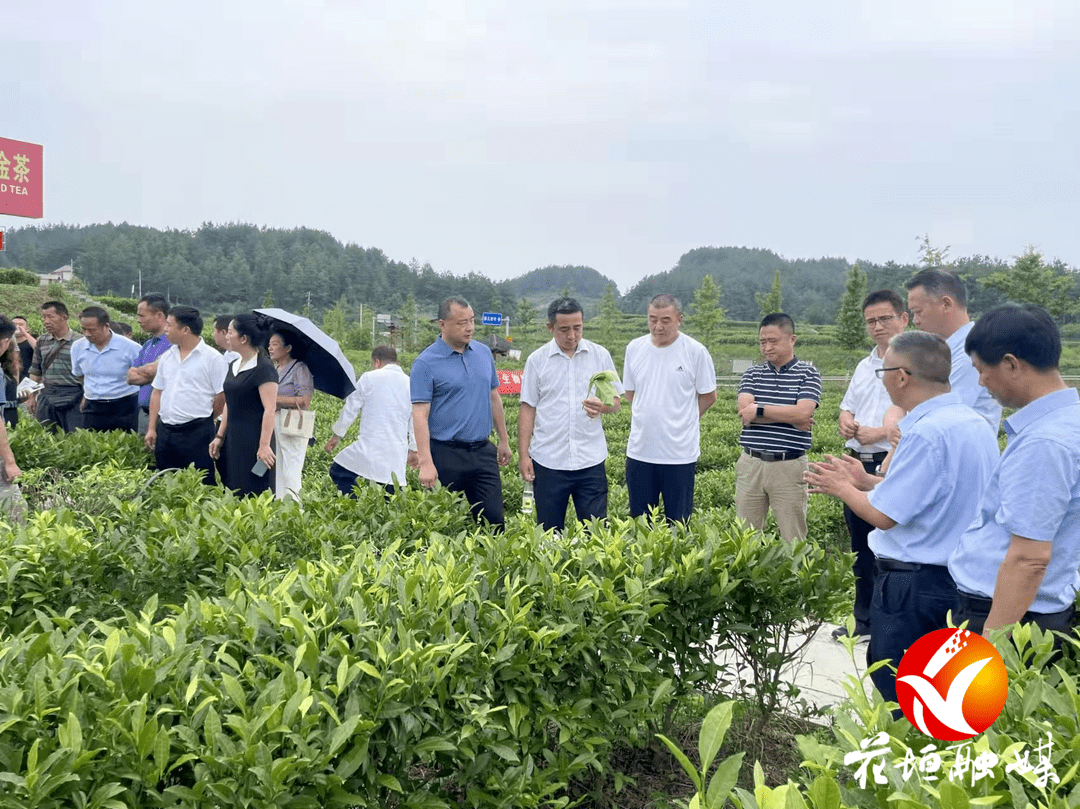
pixel 152 312
pixel 455 396
pixel 930 494
pixel 1019 559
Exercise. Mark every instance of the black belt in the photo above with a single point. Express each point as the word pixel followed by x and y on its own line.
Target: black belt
pixel 187 425
pixel 868 457
pixel 145 409
pixel 978 602
pixel 112 401
pixel 462 444
pixel 896 566
pixel 789 455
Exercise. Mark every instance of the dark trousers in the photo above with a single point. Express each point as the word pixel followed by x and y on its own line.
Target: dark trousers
pixel 58 406
pixel 906 605
pixel 646 483
pixel 111 414
pixel 859 530
pixel 346 480
pixel 975 610
pixel 473 469
pixel 182 445
pixel 553 489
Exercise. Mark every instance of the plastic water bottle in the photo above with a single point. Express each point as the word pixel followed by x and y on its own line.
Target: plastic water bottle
pixel 528 501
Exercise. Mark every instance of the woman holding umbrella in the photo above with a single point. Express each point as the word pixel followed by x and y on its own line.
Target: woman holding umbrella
pixel 247 422
pixel 295 386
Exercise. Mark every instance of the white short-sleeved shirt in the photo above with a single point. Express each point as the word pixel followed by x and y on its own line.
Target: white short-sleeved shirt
pixel 381 450
pixel 564 437
pixel 666 382
pixel 188 386
pixel 867 400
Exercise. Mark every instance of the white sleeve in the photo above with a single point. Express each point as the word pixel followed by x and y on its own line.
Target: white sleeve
pixel 354 403
pixel 628 369
pixel 219 369
pixel 530 382
pixel 705 371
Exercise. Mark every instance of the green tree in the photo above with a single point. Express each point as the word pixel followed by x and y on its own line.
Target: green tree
pixel 565 292
pixel 268 299
pixel 335 319
pixel 850 326
pixel 930 256
pixel 1031 281
pixel 707 313
pixel 407 318
pixel 524 323
pixel 774 301
pixel 609 316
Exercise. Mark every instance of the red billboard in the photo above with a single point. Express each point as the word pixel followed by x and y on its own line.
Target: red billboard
pixel 509 382
pixel 20 179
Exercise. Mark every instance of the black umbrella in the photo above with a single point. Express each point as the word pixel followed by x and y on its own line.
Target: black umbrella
pixel 333 373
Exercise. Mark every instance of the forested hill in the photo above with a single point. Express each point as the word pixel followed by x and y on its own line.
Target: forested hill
pixel 235 266
pixel 811 287
pixel 583 281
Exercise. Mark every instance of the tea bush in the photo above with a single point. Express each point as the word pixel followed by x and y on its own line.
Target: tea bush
pixel 362 658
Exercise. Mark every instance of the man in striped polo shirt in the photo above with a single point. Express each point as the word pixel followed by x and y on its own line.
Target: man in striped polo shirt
pixel 777 400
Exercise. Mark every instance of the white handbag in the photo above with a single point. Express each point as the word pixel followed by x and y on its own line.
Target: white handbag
pixel 294 422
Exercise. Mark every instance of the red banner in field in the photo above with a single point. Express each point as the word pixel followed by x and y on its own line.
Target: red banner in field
pixel 20 179
pixel 509 382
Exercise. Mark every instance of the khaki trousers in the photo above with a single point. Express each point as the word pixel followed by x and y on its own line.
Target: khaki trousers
pixel 760 484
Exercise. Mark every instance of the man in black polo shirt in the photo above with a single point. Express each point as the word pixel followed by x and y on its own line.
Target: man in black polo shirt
pixel 777 400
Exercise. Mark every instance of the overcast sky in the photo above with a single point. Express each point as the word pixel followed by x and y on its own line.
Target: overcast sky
pixel 500 137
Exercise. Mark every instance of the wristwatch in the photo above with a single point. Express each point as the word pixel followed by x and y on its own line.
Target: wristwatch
pixel 761 411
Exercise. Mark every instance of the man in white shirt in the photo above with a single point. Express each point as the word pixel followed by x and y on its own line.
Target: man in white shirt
pixel 938 304
pixel 866 415
pixel 670 382
pixel 560 439
pixel 385 443
pixel 187 396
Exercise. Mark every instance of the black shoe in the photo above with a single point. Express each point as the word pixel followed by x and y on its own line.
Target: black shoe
pixel 841 632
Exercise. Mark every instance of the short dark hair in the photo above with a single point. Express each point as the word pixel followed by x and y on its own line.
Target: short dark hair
pixel 937 283
pixel 384 354
pixel 187 316
pixel 221 322
pixel 20 317
pixel 444 307
pixel 928 353
pixel 155 301
pixel 1024 330
pixel 59 306
pixel 663 300
pixel 96 312
pixel 122 327
pixel 563 306
pixel 885 296
pixel 783 321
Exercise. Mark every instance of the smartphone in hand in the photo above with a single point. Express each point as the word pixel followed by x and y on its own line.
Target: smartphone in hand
pixel 259 468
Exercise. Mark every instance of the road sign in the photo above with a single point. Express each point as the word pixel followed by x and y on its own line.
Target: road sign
pixel 20 178
pixel 492 319
pixel 384 318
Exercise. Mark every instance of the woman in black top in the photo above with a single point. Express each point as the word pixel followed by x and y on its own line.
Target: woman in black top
pixel 9 372
pixel 247 423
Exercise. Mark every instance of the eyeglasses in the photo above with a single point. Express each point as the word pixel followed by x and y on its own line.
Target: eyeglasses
pixel 884 321
pixel 880 372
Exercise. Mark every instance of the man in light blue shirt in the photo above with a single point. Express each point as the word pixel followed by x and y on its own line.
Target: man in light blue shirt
pixel 1020 559
pixel 103 360
pixel 930 494
pixel 938 304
